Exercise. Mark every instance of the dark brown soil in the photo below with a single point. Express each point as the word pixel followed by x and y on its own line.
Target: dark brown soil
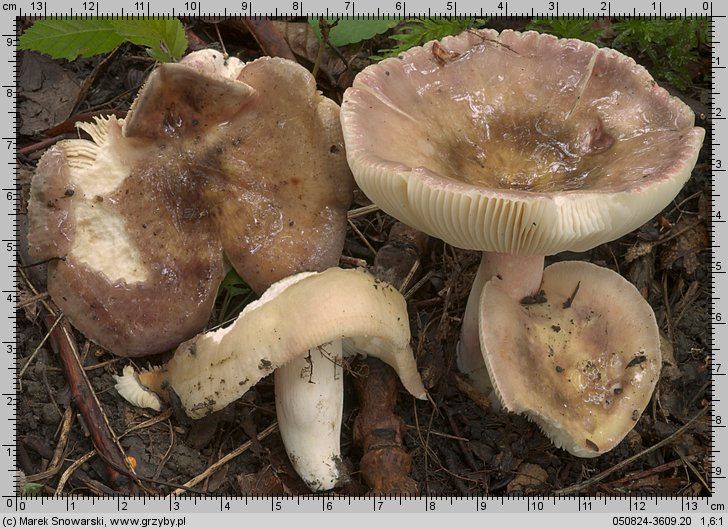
pixel 457 446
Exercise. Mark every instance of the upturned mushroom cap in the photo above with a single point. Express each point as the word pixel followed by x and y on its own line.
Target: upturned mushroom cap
pixel 205 167
pixel 296 314
pixel 517 143
pixel 581 359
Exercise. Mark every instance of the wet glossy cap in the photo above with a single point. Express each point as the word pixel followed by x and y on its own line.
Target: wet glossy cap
pixel 215 160
pixel 517 143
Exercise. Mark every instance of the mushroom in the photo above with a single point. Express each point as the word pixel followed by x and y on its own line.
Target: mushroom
pixel 215 161
pixel 310 315
pixel 522 145
pixel 581 360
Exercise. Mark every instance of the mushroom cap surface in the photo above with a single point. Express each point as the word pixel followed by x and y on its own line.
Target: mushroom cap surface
pixel 581 360
pixel 518 143
pixel 294 315
pixel 215 160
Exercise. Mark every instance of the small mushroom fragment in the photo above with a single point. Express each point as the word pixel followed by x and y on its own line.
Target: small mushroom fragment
pixel 519 145
pixel 581 361
pixel 334 310
pixel 216 160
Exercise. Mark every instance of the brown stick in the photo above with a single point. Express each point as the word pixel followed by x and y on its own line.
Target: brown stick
pixel 385 464
pixel 85 400
pixel 270 41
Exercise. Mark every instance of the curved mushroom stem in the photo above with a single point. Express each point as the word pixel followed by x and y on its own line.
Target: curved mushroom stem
pixel 309 404
pixel 521 276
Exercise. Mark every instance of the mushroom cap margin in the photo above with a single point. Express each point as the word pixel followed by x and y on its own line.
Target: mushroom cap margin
pixel 394 114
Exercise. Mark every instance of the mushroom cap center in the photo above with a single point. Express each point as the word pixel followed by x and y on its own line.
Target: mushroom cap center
pixel 530 153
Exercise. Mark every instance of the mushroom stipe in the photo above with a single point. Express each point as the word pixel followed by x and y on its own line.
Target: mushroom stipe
pixel 311 320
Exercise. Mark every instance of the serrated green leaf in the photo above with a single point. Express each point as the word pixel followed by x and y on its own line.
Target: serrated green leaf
pixel 165 37
pixel 70 38
pixel 352 30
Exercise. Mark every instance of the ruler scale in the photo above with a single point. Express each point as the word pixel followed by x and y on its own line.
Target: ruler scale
pixel 176 511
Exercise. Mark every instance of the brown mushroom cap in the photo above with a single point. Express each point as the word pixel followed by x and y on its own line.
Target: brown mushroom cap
pixel 518 143
pixel 582 361
pixel 203 167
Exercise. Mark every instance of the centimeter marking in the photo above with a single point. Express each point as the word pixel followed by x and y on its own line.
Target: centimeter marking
pixel 8 272
pixel 362 504
pixel 360 9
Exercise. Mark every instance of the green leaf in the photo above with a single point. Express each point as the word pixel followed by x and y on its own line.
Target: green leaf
pixel 568 28
pixel 68 39
pixel 669 45
pixel 33 489
pixel 164 37
pixel 233 285
pixel 352 30
pixel 418 31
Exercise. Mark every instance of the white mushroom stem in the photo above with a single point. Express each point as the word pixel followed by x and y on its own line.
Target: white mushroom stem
pixel 309 404
pixel 521 277
pixel 297 318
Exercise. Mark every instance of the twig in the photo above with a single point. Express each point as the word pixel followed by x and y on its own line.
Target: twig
pixel 361 236
pixel 679 232
pixel 57 459
pixel 70 470
pixel 103 364
pixel 43 144
pixel 99 70
pixel 683 201
pixel 69 128
pixel 32 300
pixel 599 477
pixel 168 452
pixel 85 398
pixel 224 460
pixel 647 473
pixel 40 345
pixel 439 434
pixel 146 424
pixel 668 311
pixel 689 463
pixel 225 55
pixel 478 397
pixel 424 279
pixel 362 211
